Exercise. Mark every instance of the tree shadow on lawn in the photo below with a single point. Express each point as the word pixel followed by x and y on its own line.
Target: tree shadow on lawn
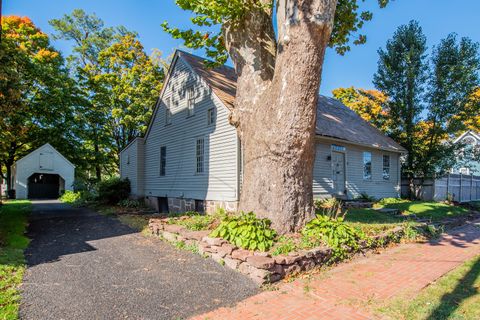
pixel 464 289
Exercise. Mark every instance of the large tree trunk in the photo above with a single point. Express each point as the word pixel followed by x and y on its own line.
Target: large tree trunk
pixel 275 108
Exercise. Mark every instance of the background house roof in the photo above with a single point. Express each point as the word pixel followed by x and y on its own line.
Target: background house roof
pixel 334 119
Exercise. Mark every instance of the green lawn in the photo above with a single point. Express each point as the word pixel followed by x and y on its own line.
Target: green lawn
pixel 454 296
pixel 423 209
pixel 13 222
pixel 370 221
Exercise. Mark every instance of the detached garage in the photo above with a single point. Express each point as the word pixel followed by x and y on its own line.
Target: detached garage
pixel 43 174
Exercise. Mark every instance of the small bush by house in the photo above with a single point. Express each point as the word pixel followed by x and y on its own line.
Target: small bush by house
pixel 113 190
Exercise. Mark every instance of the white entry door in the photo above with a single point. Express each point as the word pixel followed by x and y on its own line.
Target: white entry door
pixel 338 176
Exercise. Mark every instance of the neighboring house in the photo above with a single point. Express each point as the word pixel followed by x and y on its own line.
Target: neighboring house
pixel 42 174
pixel 467 165
pixel 190 157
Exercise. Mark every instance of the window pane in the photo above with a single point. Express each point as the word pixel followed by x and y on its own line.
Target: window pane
pixel 190 101
pixel 386 167
pixel 168 116
pixel 200 154
pixel 210 116
pixel 367 165
pixel 163 160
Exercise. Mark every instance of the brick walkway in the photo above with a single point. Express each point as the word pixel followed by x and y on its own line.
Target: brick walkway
pixel 346 291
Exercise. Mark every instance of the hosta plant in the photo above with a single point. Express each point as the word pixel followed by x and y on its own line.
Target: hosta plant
pixel 331 207
pixel 246 231
pixel 335 233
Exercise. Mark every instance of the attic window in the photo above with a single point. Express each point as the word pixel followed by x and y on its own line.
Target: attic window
pixel 168 116
pixel 211 116
pixel 168 112
pixel 128 159
pixel 469 140
pixel 190 101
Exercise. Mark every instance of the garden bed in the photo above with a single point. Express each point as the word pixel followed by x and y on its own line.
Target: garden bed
pixel 262 267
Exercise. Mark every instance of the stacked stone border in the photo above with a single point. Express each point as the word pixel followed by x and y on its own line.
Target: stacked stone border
pixel 261 267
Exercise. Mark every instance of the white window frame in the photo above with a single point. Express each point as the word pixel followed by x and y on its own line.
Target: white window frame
pixel 190 101
pixel 211 116
pixel 365 163
pixel 163 162
pixel 386 174
pixel 199 155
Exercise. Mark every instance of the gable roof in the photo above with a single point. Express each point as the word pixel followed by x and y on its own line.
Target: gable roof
pixel 334 119
pixel 40 148
pixel 469 133
pixel 222 80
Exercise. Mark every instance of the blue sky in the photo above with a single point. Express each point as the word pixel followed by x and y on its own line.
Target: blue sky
pixel 437 17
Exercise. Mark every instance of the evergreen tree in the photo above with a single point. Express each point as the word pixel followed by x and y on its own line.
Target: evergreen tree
pixel 401 75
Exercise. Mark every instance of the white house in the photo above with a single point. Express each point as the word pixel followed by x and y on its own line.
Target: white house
pixel 190 157
pixel 42 174
pixel 467 165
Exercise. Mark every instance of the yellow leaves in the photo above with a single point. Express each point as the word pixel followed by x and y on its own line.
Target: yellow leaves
pixel 369 104
pixel 44 55
pixel 472 116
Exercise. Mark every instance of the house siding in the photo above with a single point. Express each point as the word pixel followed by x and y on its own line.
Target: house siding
pixel 132 166
pixel 355 184
pixel 219 179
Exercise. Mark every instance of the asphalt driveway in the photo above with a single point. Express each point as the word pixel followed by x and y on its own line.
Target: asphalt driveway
pixel 82 265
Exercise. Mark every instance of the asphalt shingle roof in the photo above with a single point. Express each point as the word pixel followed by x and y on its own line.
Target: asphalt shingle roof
pixel 334 119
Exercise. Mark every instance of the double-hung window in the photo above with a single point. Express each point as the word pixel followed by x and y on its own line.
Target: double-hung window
pixel 163 160
pixel 190 101
pixel 367 165
pixel 200 155
pixel 386 167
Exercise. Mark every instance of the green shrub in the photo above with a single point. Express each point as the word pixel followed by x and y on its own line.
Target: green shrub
pixel 129 203
pixel 338 235
pixel 331 207
pixel 70 197
pixel 246 231
pixel 387 201
pixel 113 190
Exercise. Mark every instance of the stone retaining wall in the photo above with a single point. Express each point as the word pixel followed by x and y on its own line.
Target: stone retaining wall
pixel 261 267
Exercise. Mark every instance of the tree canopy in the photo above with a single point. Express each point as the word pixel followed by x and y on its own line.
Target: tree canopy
pixel 35 92
pixel 119 84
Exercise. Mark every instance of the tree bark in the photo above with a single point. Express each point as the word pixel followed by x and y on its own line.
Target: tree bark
pixel 275 110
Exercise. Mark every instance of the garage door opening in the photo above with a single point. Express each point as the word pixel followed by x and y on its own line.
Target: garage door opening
pixel 45 186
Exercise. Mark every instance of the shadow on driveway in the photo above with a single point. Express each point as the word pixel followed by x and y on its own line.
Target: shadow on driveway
pixel 82 265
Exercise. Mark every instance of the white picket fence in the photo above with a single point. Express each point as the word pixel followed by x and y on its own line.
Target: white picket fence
pixel 456 187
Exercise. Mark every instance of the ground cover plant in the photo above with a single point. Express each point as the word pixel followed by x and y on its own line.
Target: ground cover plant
pixel 453 296
pixel 13 222
pixel 196 221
